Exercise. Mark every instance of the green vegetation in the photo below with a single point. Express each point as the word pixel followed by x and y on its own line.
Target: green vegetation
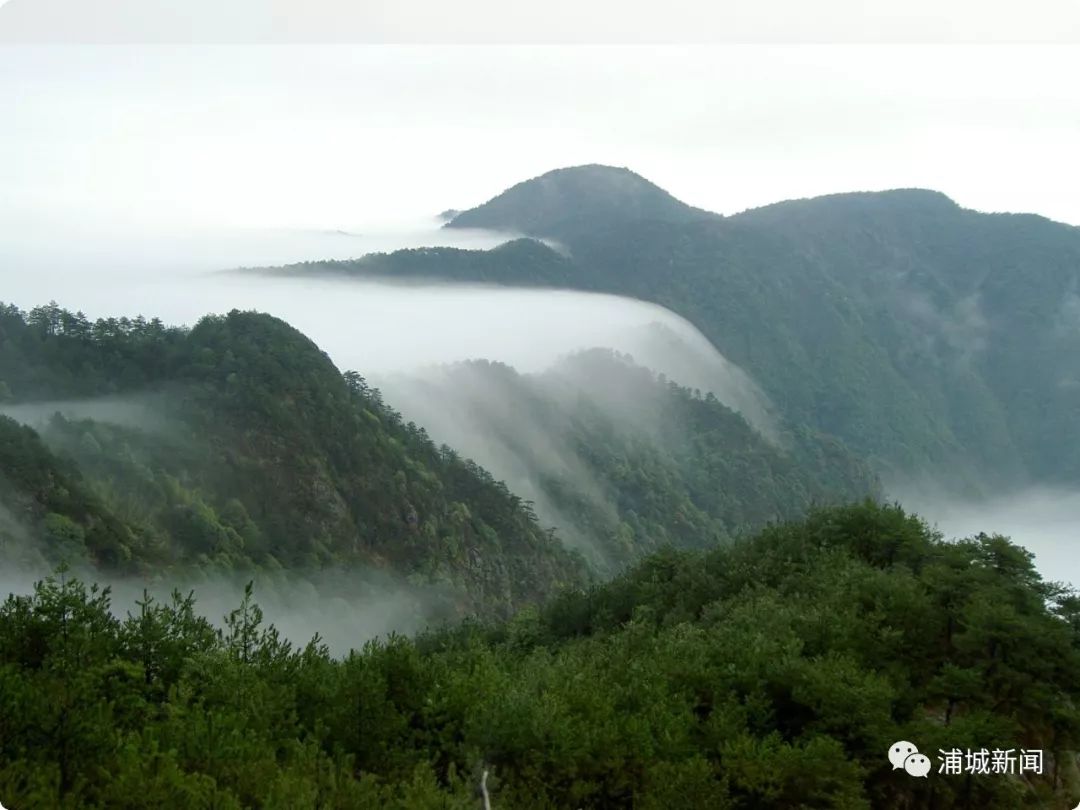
pixel 722 670
pixel 772 672
pixel 509 263
pixel 44 498
pixel 623 462
pixel 237 446
pixel 926 337
pixel 260 454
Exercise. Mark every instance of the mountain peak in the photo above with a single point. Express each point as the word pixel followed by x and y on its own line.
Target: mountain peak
pixel 555 204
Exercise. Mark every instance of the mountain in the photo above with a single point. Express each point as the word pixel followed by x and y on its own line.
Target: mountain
pixel 624 462
pixel 564 202
pixel 238 444
pixel 897 321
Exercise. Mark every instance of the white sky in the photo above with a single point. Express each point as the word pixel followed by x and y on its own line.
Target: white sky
pixel 564 21
pixel 116 137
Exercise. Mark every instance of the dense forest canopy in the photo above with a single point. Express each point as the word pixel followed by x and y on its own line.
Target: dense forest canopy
pixel 262 454
pixel 772 672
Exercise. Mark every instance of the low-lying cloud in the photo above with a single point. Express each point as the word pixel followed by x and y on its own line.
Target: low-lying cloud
pixel 1043 520
pixel 142 412
pixel 371 326
pixel 345 608
pixel 375 327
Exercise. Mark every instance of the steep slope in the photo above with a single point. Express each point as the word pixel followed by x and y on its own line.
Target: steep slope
pixel 262 453
pixel 984 308
pixel 623 462
pixel 48 513
pixel 897 321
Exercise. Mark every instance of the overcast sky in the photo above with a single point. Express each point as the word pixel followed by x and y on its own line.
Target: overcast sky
pixel 357 137
pixel 539 21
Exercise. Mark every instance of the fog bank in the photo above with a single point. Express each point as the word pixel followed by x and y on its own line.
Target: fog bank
pixel 346 608
pixel 376 327
pixel 142 411
pixel 1043 520
pixel 371 326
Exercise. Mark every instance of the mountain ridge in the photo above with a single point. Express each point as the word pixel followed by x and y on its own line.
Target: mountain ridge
pixel 569 179
pixel 896 320
pixel 272 458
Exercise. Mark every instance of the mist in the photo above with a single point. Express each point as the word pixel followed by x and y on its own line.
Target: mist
pixel 502 421
pixel 371 326
pixel 1044 520
pixel 393 332
pixel 139 411
pixel 526 428
pixel 379 328
pixel 345 608
pixel 89 257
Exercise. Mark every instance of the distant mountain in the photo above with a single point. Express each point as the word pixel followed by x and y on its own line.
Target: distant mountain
pixel 261 454
pixel 563 202
pixel 519 261
pixel 928 337
pixel 768 671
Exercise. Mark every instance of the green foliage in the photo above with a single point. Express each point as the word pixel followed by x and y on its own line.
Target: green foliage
pixel 43 496
pixel 505 264
pixel 771 670
pixel 923 335
pixel 774 671
pixel 624 462
pixel 259 453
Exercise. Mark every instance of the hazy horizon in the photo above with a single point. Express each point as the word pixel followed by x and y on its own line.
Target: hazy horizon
pixel 111 139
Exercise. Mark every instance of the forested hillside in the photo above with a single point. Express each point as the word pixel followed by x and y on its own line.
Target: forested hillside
pixel 754 658
pixel 773 672
pixel 929 338
pixel 258 453
pixel 48 513
pixel 238 443
pixel 622 461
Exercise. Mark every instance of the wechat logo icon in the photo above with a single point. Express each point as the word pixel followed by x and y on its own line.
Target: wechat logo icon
pixel 903 754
